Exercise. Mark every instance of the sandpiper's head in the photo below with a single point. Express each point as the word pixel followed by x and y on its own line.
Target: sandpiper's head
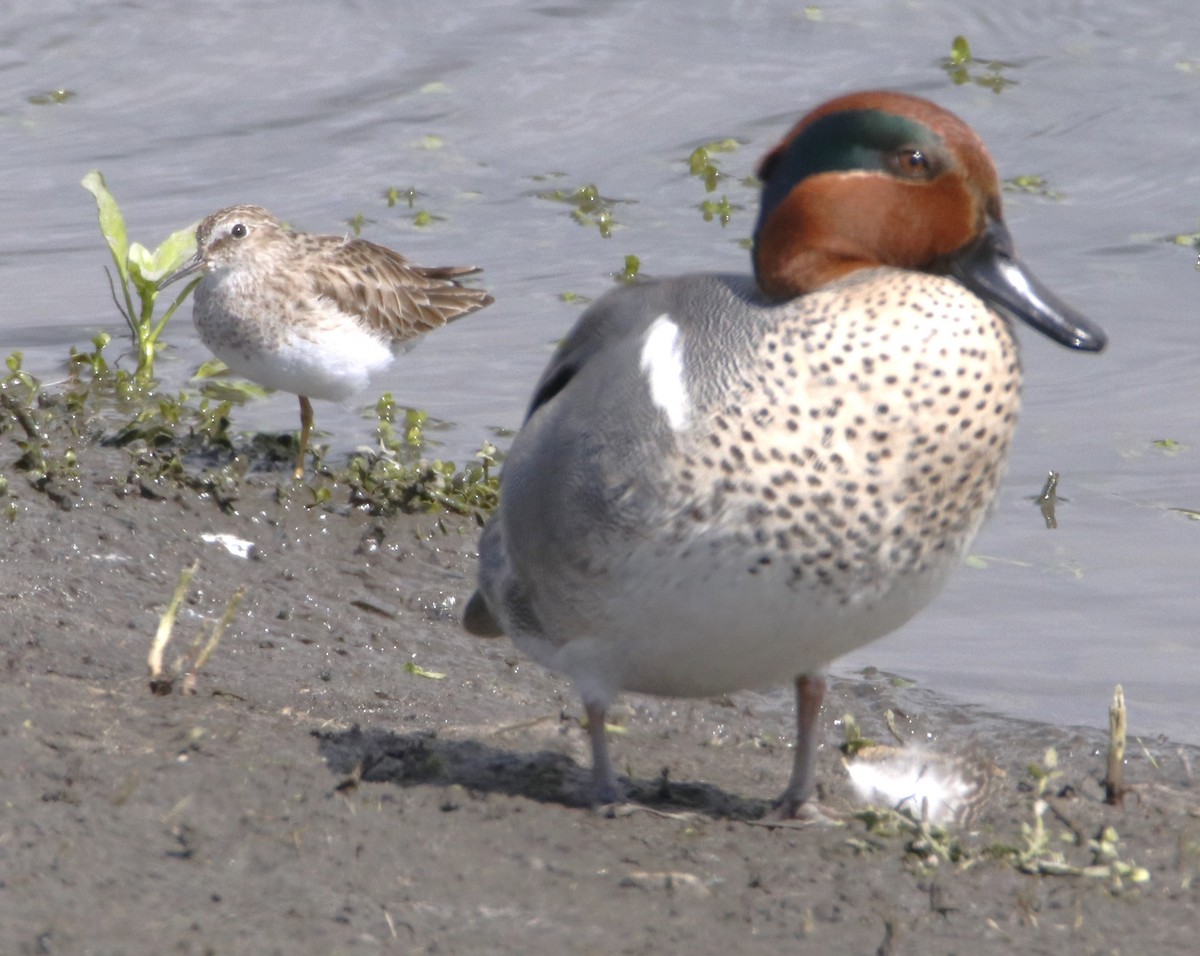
pixel 223 237
pixel 887 179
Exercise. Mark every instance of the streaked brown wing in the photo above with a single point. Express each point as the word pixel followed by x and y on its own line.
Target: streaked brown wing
pixel 391 294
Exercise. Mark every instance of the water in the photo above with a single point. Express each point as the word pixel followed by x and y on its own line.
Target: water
pixel 315 109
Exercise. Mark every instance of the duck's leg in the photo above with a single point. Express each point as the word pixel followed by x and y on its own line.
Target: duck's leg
pixel 810 691
pixel 306 423
pixel 604 781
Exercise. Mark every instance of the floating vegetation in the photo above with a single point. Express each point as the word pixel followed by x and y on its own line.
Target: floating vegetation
pixel 140 272
pixel 633 265
pixel 704 165
pixel 1032 185
pixel 962 67
pixel 1169 446
pixel 590 208
pixel 721 211
pixel 392 196
pixel 52 97
pixel 357 221
pixel 1190 239
pixel 421 218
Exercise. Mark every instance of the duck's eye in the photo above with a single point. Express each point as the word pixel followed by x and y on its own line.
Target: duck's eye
pixel 909 162
pixel 239 231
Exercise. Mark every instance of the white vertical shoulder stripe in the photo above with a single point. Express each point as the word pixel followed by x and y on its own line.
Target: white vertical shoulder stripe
pixel 662 363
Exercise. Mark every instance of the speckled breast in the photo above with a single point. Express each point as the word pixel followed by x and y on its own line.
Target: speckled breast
pixel 864 439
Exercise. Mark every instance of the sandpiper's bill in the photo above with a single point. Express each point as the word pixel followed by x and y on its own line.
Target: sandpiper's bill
pixel 314 315
pixel 726 482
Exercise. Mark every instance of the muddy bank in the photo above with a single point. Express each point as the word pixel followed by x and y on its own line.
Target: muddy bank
pixel 355 774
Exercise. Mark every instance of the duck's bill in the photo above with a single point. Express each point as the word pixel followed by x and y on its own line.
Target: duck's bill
pixel 991 270
pixel 193 264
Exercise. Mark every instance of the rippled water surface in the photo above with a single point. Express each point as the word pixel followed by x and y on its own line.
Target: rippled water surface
pixel 315 109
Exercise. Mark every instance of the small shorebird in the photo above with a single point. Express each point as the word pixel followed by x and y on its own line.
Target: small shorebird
pixel 317 316
pixel 725 482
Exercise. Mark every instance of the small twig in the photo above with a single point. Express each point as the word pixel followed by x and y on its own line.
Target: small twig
pixel 889 717
pixel 1048 499
pixel 165 625
pixel 201 658
pixel 1114 780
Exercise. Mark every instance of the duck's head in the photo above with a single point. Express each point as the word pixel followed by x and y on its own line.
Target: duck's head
pixel 886 179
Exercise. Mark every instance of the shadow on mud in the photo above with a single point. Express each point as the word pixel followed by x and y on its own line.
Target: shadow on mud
pixel 422 759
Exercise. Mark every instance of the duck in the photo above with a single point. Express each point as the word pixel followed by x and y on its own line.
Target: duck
pixel 726 482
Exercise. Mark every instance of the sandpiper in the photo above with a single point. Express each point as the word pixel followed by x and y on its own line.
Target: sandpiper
pixel 317 316
pixel 725 482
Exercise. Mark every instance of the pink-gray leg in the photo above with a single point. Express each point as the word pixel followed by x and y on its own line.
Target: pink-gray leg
pixel 306 424
pixel 604 781
pixel 810 691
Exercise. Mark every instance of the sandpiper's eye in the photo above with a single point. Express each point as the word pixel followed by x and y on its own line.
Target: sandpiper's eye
pixel 239 231
pixel 909 162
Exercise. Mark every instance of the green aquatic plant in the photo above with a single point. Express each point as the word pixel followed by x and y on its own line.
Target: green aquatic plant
pixel 183 441
pixel 721 211
pixel 423 217
pixel 398 476
pixel 356 223
pixel 216 383
pixel 52 97
pixel 393 195
pixel 1191 239
pixel 44 431
pixel 140 272
pixel 590 208
pixel 630 272
pixel 1041 852
pixel 1032 185
pixel 704 165
pixel 927 842
pixel 962 67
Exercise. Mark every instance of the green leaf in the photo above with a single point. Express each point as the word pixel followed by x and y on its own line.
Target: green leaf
pixel 140 259
pixel 112 223
pixel 172 253
pixel 417 670
pixel 632 265
pixel 211 368
pixel 960 51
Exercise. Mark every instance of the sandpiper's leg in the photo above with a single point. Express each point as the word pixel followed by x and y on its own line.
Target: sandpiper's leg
pixel 604 781
pixel 810 691
pixel 306 423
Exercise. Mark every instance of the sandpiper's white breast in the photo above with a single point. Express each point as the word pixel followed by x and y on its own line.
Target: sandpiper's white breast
pixel 284 339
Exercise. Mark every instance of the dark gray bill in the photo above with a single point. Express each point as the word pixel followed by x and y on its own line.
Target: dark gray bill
pixel 192 265
pixel 991 270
